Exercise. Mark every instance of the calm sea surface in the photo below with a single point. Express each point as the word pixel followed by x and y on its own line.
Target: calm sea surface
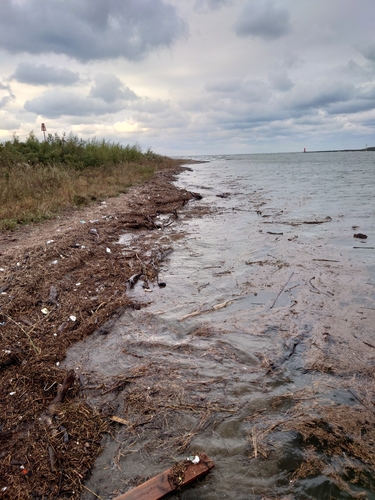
pixel 227 323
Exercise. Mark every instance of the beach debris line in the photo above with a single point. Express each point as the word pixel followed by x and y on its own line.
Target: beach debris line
pixel 84 293
pixel 173 479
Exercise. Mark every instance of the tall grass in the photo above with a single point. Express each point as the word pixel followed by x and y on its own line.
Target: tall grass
pixel 39 179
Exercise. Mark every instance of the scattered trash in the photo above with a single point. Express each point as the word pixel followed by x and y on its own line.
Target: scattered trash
pixel 95 232
pixel 12 393
pixel 82 221
pixel 194 459
pixel 72 318
pixel 50 241
pixel 45 310
pixel 361 236
pixel 94 221
pixel 147 290
pixel 2 269
pixel 52 298
pixel 108 250
pixel 54 262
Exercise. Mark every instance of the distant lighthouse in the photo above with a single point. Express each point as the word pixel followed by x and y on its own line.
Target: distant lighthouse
pixel 304 150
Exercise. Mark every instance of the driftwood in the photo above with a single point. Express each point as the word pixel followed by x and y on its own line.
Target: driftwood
pixel 212 309
pixel 172 479
pixel 64 388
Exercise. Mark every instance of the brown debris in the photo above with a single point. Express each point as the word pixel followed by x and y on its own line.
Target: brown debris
pixel 53 295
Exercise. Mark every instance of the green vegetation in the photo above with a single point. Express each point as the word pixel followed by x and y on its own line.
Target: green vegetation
pixel 39 179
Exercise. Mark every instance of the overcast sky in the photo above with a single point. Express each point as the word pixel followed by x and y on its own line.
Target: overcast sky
pixel 186 77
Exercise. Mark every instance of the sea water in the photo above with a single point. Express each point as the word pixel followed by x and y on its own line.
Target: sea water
pixel 255 263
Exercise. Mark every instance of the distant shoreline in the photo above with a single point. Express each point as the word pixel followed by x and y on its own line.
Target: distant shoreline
pixel 342 150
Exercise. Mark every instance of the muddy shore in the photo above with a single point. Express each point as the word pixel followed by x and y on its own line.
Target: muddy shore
pixel 60 281
pixel 267 365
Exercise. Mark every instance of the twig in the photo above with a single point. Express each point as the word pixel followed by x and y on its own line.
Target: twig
pixel 326 260
pixel 88 489
pixel 212 309
pixel 64 387
pixel 319 291
pixel 281 291
pixel 254 436
pixel 120 383
pixel 36 349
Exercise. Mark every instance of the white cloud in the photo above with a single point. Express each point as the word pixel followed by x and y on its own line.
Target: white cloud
pixel 191 76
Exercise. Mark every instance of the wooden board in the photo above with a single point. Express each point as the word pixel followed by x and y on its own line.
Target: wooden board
pixel 159 486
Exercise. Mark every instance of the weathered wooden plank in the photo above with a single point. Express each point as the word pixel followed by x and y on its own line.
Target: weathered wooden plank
pixel 159 486
pixel 120 420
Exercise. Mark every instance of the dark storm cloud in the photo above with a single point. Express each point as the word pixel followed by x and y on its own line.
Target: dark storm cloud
pixel 44 75
pixel 89 29
pixel 264 20
pixel 109 88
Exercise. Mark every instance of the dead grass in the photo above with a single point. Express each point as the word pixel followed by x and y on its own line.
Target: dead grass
pixel 32 193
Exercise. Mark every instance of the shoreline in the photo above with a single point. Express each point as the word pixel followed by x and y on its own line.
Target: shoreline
pixel 62 280
pixel 342 150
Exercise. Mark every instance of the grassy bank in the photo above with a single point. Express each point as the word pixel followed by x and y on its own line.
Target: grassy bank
pixel 38 179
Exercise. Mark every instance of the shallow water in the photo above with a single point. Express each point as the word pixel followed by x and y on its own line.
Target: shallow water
pixel 240 314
